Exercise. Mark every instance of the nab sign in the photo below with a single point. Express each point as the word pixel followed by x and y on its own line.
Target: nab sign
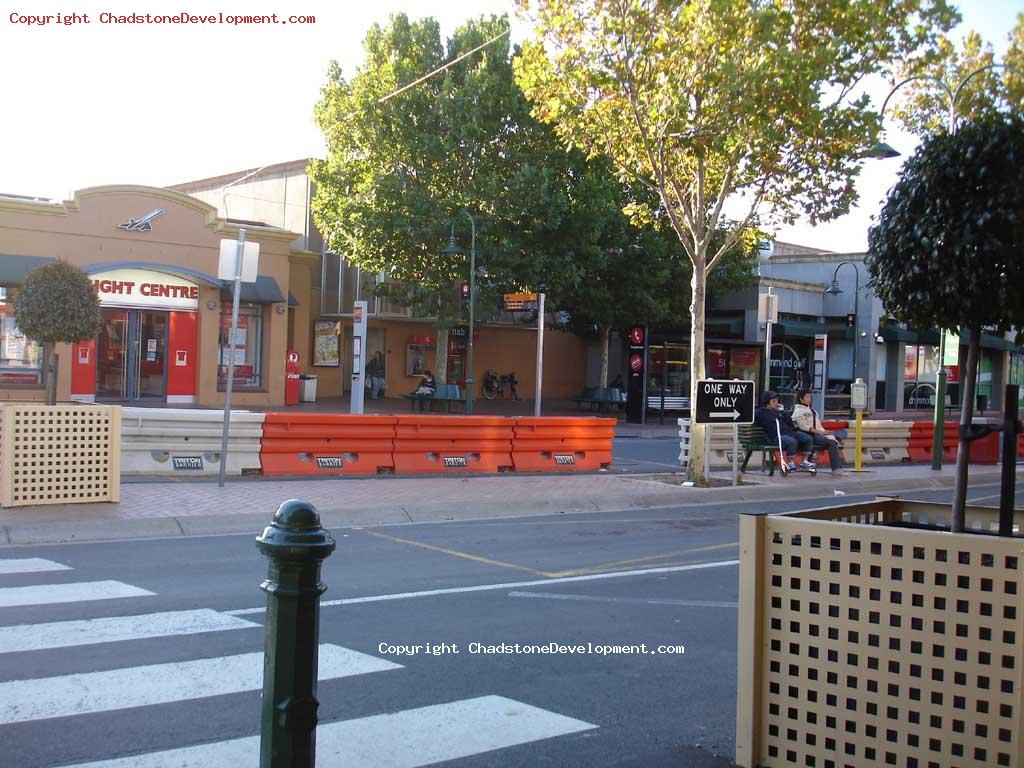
pixel 724 402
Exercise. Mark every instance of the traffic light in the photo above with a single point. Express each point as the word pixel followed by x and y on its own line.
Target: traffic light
pixel 851 320
pixel 465 291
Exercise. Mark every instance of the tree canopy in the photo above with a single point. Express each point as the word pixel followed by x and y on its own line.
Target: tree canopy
pixel 705 102
pixel 946 248
pixel 57 304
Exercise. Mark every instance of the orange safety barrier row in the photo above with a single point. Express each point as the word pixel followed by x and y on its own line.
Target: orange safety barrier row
pixel 453 444
pixel 919 444
pixel 562 443
pixel 327 444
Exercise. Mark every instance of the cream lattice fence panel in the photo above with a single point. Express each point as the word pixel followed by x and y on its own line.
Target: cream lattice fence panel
pixel 864 644
pixel 59 454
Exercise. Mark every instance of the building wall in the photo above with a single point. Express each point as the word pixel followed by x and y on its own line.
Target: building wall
pixel 84 231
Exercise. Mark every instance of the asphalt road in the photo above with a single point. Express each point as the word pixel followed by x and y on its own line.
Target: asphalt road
pixel 83 694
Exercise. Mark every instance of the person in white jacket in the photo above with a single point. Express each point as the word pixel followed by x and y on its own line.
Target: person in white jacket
pixel 806 420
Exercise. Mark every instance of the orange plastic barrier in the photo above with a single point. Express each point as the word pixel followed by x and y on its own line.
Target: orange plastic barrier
pixel 453 444
pixel 919 444
pixel 327 444
pixel 986 449
pixel 562 443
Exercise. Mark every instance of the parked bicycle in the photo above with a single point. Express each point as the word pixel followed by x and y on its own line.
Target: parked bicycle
pixel 494 385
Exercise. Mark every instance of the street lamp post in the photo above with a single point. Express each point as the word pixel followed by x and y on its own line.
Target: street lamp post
pixel 835 290
pixel 453 249
pixel 882 150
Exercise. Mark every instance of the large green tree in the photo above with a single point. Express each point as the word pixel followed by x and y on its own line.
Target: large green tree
pixel 399 169
pixel 706 102
pixel 946 249
pixel 57 305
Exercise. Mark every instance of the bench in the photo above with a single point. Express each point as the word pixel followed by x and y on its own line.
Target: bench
pixel 445 393
pixel 752 438
pixel 672 403
pixel 601 397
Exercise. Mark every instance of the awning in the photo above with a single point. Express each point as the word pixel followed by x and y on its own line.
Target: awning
pixel 264 291
pixel 893 333
pixel 14 268
pixel 991 341
pixel 292 301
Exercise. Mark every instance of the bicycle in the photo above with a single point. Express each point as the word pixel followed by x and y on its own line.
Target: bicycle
pixel 494 385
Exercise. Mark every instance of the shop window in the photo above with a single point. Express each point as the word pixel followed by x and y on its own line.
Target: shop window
pixel 668 370
pixel 417 355
pixel 21 359
pixel 248 347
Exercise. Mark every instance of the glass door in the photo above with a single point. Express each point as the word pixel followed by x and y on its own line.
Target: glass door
pixel 131 354
pixel 112 355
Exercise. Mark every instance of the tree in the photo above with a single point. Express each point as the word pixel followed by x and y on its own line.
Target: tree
pixel 982 86
pixel 709 101
pixel 946 249
pixel 57 305
pixel 398 170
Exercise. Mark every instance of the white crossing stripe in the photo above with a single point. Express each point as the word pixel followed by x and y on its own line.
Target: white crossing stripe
pixel 64 634
pixel 77 592
pixel 38 699
pixel 30 565
pixel 407 739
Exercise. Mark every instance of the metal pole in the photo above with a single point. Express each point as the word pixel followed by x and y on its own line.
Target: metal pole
pixel 1011 427
pixel 857 443
pixel 707 450
pixel 938 417
pixel 735 453
pixel 768 343
pixel 540 353
pixel 229 383
pixel 472 304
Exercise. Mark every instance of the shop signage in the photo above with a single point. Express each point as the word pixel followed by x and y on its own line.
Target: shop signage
pixel 145 288
pixel 724 402
pixel 515 302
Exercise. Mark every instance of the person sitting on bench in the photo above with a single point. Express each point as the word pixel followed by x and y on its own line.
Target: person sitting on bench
pixel 775 422
pixel 807 421
pixel 425 390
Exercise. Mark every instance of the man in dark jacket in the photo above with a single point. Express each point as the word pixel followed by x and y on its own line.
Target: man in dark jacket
pixel 775 421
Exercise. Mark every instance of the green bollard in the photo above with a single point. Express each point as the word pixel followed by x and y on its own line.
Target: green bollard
pixel 296 544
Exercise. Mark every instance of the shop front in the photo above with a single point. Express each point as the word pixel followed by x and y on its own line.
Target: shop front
pixel 165 315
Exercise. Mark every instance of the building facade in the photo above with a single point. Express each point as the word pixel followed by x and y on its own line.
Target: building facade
pixel 153 257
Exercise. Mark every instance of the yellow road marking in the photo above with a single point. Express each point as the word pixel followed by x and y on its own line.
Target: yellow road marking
pixel 601 568
pixel 454 553
pixel 605 567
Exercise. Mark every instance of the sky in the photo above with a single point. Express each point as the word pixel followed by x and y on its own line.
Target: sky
pixel 91 104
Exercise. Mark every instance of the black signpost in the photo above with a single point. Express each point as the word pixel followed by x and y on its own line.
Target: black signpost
pixel 636 387
pixel 725 402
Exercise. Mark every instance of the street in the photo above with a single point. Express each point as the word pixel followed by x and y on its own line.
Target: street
pixel 82 684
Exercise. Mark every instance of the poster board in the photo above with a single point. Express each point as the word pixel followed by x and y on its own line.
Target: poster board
pixel 326 347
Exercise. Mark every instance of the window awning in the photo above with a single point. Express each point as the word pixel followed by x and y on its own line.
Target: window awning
pixel 292 301
pixel 14 268
pixel 894 333
pixel 264 291
pixel 991 341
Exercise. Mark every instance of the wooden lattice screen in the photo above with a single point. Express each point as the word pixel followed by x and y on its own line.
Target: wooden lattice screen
pixel 59 454
pixel 874 645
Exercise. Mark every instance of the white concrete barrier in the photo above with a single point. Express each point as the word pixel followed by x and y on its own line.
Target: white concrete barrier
pixel 180 441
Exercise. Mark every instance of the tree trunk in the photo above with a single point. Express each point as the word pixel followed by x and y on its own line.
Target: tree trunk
pixel 441 356
pixel 698 432
pixel 606 333
pixel 51 376
pixel 966 417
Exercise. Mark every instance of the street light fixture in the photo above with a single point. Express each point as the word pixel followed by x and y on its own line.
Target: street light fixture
pixel 453 249
pixel 835 290
pixel 882 150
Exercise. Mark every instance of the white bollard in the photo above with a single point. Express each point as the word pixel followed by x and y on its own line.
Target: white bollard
pixel 684 442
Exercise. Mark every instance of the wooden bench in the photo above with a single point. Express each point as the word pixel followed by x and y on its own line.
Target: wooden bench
pixel 752 438
pixel 445 393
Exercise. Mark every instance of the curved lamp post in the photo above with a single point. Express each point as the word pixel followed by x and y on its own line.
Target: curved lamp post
pixel 453 249
pixel 881 151
pixel 835 290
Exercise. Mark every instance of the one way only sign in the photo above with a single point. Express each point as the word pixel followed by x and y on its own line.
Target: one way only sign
pixel 724 402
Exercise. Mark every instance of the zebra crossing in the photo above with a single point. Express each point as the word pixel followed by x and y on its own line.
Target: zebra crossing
pixel 424 735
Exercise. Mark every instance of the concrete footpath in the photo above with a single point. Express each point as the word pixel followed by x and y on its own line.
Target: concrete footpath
pixel 162 508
